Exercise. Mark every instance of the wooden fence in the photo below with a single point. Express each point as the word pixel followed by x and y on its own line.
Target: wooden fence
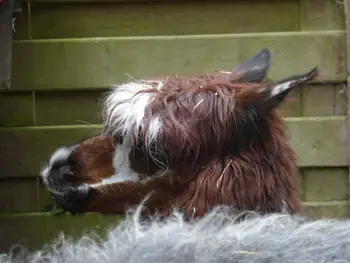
pixel 66 53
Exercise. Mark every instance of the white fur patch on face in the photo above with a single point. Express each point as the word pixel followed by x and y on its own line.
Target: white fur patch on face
pixel 60 155
pixel 121 165
pixel 124 109
pixel 124 173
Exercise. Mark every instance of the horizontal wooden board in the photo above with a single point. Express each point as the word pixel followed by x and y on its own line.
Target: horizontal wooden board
pixel 17 109
pixel 321 15
pixel 114 19
pixel 22 195
pixel 315 184
pixel 100 62
pixel 68 108
pixel 333 209
pixel 326 184
pixel 19 195
pixel 27 149
pixel 45 229
pixel 317 141
pixel 324 100
pixel 64 107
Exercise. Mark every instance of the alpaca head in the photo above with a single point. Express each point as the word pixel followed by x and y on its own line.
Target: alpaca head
pixel 188 121
pixel 88 161
pixel 213 139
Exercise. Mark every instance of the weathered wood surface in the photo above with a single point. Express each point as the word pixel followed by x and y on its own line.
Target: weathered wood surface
pixel 316 184
pixel 5 44
pixel 35 230
pixel 27 149
pixel 98 63
pixel 63 107
pixel 67 52
pixel 15 227
pixel 347 23
pixel 115 19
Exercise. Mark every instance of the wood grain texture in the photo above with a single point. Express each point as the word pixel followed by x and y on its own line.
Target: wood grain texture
pixel 115 19
pixel 326 184
pixel 317 141
pixel 17 109
pixel 100 62
pixel 19 195
pixel 45 228
pixel 67 107
pixel 5 45
pixel 321 15
pixel 324 100
pixel 347 26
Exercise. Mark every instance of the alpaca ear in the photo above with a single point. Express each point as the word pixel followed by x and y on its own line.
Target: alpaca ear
pixel 274 95
pixel 255 68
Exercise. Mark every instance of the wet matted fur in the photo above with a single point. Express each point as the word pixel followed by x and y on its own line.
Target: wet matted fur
pixel 215 238
pixel 192 142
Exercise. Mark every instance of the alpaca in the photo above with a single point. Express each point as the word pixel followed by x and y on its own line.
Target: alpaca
pixel 220 237
pixel 192 143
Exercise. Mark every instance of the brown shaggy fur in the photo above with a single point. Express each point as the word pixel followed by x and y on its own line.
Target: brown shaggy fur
pixel 223 142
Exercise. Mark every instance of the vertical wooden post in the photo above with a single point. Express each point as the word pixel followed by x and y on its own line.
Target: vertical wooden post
pixel 347 28
pixel 5 43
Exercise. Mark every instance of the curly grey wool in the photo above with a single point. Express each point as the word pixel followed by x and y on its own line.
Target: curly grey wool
pixel 218 237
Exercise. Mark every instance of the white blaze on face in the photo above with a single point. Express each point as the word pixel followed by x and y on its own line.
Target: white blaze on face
pixel 124 173
pixel 59 156
pixel 121 165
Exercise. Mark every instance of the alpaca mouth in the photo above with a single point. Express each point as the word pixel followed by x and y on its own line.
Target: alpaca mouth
pixel 55 191
pixel 71 199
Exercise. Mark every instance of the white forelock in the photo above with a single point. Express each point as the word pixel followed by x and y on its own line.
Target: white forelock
pixel 124 110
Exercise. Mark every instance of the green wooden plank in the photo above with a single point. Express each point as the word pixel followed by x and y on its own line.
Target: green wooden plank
pixel 326 184
pixel 68 108
pixel 100 62
pixel 45 229
pixel 91 1
pixel 34 231
pixel 19 195
pixel 324 100
pixel 300 181
pixel 317 141
pixel 321 15
pixel 17 109
pixel 28 149
pixel 341 100
pixel 292 106
pixel 334 209
pixel 5 44
pixel 112 19
pixel 64 107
